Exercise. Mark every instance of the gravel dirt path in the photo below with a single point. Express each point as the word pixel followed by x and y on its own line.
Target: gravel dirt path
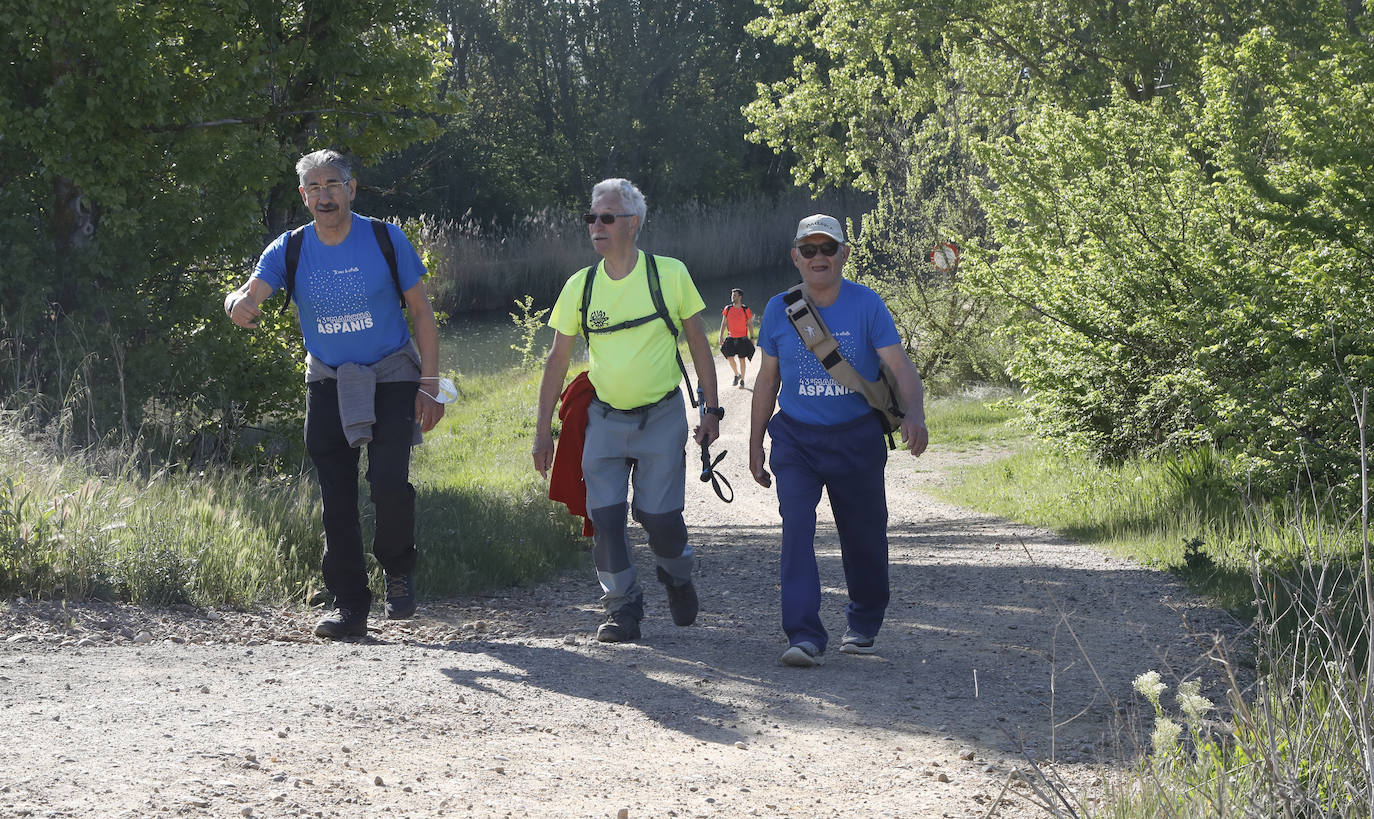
pixel 1004 646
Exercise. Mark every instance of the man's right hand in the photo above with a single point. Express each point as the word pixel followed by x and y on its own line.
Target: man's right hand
pixel 756 468
pixel 543 452
pixel 241 310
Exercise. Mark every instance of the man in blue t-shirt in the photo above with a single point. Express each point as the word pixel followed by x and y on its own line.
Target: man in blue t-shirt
pixel 825 435
pixel 364 381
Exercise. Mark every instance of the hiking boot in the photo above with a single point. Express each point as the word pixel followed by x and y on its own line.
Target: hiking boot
pixel 618 628
pixel 400 596
pixel 682 600
pixel 342 623
pixel 856 643
pixel 802 655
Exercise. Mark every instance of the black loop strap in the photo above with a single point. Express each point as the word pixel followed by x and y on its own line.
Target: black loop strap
pixel 709 473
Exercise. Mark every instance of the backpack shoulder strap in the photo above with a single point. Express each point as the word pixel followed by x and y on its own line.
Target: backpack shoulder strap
pixel 656 293
pixel 379 230
pixel 383 234
pixel 587 299
pixel 293 260
pixel 660 312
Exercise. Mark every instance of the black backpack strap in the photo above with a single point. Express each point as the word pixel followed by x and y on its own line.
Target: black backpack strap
pixel 293 260
pixel 383 234
pixel 587 300
pixel 656 293
pixel 660 312
pixel 379 230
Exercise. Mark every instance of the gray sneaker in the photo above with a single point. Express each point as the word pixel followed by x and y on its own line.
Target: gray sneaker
pixel 802 655
pixel 856 643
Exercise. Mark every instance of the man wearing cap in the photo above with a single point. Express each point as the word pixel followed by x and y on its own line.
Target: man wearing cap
pixel 636 428
pixel 366 383
pixel 826 436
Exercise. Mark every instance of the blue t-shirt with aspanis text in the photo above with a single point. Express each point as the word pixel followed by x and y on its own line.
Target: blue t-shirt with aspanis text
pixel 860 323
pixel 347 303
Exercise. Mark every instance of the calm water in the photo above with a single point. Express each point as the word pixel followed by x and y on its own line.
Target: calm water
pixel 480 343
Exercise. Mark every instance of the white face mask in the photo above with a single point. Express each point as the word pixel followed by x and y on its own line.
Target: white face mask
pixel 445 392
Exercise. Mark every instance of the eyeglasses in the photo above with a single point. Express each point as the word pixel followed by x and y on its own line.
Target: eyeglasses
pixel 827 248
pixel 334 188
pixel 606 218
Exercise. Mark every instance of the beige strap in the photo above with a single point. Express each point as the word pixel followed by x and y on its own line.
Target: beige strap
pixel 882 394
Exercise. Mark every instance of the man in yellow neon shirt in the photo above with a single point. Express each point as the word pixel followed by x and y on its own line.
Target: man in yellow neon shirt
pixel 636 425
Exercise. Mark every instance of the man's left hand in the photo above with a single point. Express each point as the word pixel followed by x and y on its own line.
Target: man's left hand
pixel 708 430
pixel 915 437
pixel 427 411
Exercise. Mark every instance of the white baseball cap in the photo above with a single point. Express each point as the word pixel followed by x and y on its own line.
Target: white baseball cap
pixel 820 223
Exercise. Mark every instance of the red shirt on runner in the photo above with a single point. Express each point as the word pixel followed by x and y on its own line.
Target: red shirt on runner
pixel 737 320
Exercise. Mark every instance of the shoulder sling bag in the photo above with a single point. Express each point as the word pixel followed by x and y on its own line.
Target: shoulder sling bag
pixel 882 395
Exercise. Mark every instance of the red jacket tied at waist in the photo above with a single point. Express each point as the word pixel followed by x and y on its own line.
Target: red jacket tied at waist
pixel 565 481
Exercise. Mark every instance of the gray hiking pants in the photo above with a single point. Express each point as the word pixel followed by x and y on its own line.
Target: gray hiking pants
pixel 646 448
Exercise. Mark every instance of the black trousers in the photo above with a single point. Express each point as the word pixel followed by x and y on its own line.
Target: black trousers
pixel 388 474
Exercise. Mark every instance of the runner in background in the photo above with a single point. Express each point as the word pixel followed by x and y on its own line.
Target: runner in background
pixel 735 336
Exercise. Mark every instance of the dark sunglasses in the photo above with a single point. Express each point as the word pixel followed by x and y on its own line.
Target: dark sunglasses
pixel 809 251
pixel 606 218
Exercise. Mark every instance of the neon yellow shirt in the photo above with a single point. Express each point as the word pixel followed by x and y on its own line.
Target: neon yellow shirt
pixel 638 365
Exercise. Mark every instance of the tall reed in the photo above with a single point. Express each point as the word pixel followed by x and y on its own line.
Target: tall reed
pixel 479 267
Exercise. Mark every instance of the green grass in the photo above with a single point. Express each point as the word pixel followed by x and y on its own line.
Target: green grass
pixel 1293 742
pixel 484 516
pixel 71 527
pixel 966 421
pixel 1178 512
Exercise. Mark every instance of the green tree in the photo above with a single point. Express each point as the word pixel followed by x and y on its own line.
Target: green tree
pixel 561 94
pixel 147 155
pixel 1178 199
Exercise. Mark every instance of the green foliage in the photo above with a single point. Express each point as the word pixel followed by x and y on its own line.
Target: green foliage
pixel 560 95
pixel 1178 198
pixel 947 329
pixel 528 321
pixel 147 156
pixel 1114 286
pixel 72 527
pixel 1296 742
pixel 485 518
pixel 868 74
pixel 973 419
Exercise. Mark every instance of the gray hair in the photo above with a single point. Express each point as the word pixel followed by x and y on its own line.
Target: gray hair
pixel 631 198
pixel 322 159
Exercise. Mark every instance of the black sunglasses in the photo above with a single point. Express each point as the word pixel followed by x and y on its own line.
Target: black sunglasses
pixel 606 218
pixel 809 251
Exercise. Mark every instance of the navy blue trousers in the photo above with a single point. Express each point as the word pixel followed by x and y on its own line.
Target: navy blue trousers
pixel 388 474
pixel 846 460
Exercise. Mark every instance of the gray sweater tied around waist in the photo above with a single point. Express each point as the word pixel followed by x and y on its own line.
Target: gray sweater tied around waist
pixel 358 389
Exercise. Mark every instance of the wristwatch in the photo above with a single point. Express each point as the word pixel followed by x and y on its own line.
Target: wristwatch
pixel 719 412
